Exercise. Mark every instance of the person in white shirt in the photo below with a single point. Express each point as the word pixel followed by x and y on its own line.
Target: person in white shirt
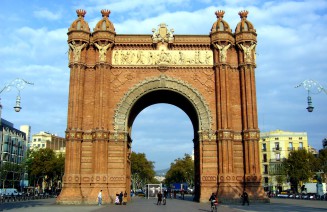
pixel 100 198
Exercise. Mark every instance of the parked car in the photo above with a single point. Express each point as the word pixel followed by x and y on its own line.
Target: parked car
pixel 139 193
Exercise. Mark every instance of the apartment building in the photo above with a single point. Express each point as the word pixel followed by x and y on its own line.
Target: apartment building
pixel 12 143
pixel 48 140
pixel 276 146
pixel 12 151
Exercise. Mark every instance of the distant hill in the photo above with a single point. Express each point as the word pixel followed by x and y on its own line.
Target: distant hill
pixel 161 172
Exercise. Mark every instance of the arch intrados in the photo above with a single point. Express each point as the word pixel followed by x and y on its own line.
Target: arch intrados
pixel 164 96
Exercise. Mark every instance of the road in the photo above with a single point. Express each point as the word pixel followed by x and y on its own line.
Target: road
pixel 173 205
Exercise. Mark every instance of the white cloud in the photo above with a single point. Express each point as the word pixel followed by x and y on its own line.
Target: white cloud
pixel 47 14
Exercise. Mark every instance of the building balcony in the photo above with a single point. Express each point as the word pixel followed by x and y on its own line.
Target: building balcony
pixel 265 172
pixel 264 150
pixel 275 160
pixel 300 148
pixel 264 161
pixel 290 148
pixel 277 149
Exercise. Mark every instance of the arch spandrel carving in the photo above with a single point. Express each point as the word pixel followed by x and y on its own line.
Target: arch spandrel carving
pixel 158 83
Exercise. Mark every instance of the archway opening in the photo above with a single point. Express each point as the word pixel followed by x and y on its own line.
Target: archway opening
pixel 164 132
pixel 164 125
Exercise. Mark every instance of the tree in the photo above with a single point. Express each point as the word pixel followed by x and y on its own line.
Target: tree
pixel 299 166
pixel 4 170
pixel 322 160
pixel 11 174
pixel 142 170
pixel 43 164
pixel 322 164
pixel 181 170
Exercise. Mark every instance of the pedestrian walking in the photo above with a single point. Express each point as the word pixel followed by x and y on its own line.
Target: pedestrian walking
pixel 120 198
pixel 245 198
pixel 125 198
pixel 117 199
pixel 100 198
pixel 159 198
pixel 165 195
pixel 182 193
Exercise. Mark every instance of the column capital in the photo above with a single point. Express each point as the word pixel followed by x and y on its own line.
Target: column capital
pixel 225 134
pixel 251 134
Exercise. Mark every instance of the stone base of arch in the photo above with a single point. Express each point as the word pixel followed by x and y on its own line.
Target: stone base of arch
pixel 74 194
pixel 70 195
pixel 230 188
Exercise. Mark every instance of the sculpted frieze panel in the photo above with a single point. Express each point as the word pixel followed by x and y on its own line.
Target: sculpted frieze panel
pixel 162 57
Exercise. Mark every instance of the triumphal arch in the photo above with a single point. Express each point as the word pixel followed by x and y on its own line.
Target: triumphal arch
pixel 113 77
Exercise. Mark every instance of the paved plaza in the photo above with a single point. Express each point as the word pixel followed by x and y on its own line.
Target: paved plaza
pixel 173 205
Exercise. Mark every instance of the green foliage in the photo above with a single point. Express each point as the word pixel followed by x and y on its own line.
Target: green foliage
pixel 322 160
pixel 280 179
pixel 142 170
pixel 44 162
pixel 182 170
pixel 10 174
pixel 4 171
pixel 299 166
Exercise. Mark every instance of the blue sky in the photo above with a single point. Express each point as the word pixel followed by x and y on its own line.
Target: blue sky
pixel 292 40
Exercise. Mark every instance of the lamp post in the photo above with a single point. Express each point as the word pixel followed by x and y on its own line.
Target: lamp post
pixel 312 87
pixel 19 84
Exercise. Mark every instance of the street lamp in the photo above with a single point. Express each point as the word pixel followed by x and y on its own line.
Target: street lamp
pixel 313 87
pixel 19 84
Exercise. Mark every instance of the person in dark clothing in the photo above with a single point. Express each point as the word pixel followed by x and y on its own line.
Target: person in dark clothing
pixel 120 198
pixel 165 195
pixel 212 199
pixel 159 198
pixel 245 198
pixel 182 193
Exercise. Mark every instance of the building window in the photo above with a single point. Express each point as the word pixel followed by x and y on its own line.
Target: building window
pixel 300 145
pixel 43 145
pixel 277 145
pixel 265 169
pixel 38 145
pixel 34 139
pixel 290 138
pixel 264 157
pixel 278 156
pixel 290 146
pixel 266 179
pixel 264 147
pixel 263 139
pixel 39 139
pixel 276 139
pixel 300 138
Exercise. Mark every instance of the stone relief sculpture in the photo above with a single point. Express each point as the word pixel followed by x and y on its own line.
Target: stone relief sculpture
pixel 162 34
pixel 162 57
pixel 247 51
pixel 140 57
pixel 155 34
pixel 77 49
pixel 102 51
pixel 170 35
pixel 222 52
pixel 116 57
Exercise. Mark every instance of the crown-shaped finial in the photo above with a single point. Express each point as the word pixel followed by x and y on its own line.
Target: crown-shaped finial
pixel 80 12
pixel 105 13
pixel 220 14
pixel 243 14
